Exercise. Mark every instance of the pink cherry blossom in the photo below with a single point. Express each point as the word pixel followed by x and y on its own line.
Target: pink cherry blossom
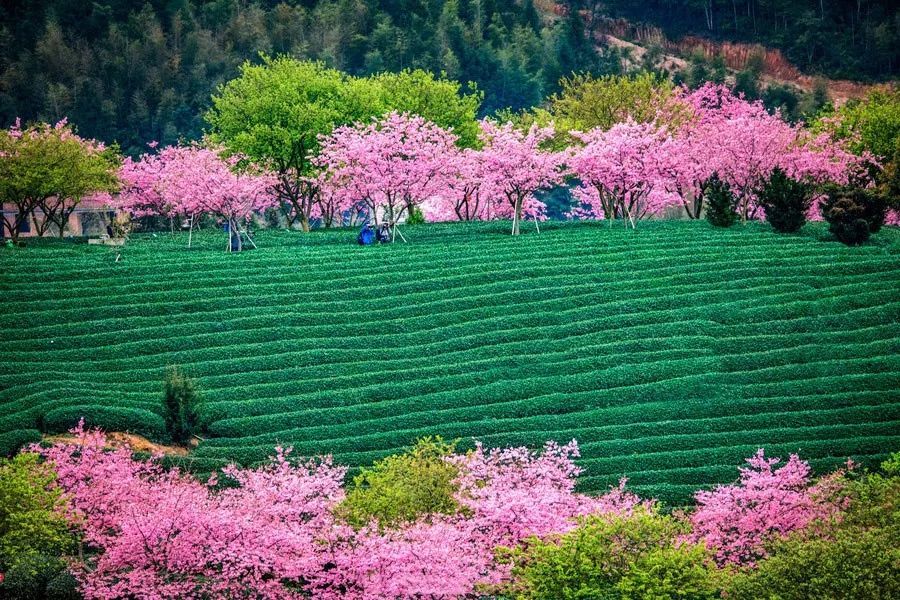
pixel 388 166
pixel 736 520
pixel 623 172
pixel 515 167
pixel 189 181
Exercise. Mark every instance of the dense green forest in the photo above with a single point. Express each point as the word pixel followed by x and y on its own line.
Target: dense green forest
pixel 849 39
pixel 130 72
pixel 136 74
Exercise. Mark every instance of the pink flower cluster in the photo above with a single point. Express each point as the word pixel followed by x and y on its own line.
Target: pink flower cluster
pixel 185 181
pixel 737 520
pixel 398 162
pixel 271 532
pixel 633 170
pixel 401 161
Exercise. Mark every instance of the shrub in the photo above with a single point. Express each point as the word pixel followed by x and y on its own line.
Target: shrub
pixel 11 441
pixel 636 555
pixel 31 510
pixel 854 557
pixel 415 217
pixel 785 201
pixel 401 488
pixel 180 401
pixel 720 203
pixel 36 576
pixel 853 214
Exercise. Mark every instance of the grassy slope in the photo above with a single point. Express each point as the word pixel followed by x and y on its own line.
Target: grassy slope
pixel 670 353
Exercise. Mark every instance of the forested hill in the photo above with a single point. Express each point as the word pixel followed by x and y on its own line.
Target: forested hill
pixel 130 72
pixel 135 74
pixel 841 39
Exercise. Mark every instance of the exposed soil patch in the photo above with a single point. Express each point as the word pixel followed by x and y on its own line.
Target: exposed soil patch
pixel 137 443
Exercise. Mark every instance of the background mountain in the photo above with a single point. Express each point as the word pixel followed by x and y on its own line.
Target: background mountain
pixel 129 73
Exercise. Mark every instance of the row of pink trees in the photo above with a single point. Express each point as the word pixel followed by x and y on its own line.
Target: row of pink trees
pixel 396 164
pixel 637 169
pixel 273 531
pixel 191 181
pixel 630 171
pixel 400 162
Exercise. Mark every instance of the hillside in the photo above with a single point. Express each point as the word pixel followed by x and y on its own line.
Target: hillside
pixel 130 72
pixel 838 39
pixel 669 353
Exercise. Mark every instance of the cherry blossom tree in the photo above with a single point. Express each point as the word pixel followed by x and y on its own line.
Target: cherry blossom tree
pixel 193 180
pixel 163 534
pixel 507 495
pixel 466 193
pixel 622 172
pixel 389 165
pixel 515 167
pixel 736 520
pixel 143 193
pixel 273 533
pixel 744 143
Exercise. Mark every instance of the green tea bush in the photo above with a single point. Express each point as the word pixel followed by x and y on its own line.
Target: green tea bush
pixel 720 203
pixel 785 201
pixel 584 332
pixel 180 400
pixel 615 556
pixel 403 487
pixel 11 441
pixel 135 420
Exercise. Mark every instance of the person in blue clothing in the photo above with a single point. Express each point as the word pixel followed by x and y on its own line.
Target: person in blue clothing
pixel 366 236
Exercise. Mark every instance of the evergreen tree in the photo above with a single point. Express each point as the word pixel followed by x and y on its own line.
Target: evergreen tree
pixel 180 402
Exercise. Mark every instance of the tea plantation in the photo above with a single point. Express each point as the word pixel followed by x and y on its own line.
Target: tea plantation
pixel 670 353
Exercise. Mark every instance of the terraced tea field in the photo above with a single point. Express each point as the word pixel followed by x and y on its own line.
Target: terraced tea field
pixel 670 353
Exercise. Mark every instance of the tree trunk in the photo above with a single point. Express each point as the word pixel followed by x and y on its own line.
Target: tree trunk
pixel 517 217
pixel 304 223
pixel 13 229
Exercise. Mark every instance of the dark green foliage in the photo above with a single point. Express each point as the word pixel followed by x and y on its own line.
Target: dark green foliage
pixel 747 80
pixel 843 39
pixel 63 586
pixel 11 441
pixel 720 203
pixel 854 558
pixel 785 201
pixel 617 557
pixel 180 403
pixel 853 214
pixel 403 487
pixel 108 418
pixel 39 577
pixel 784 98
pixel 133 71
